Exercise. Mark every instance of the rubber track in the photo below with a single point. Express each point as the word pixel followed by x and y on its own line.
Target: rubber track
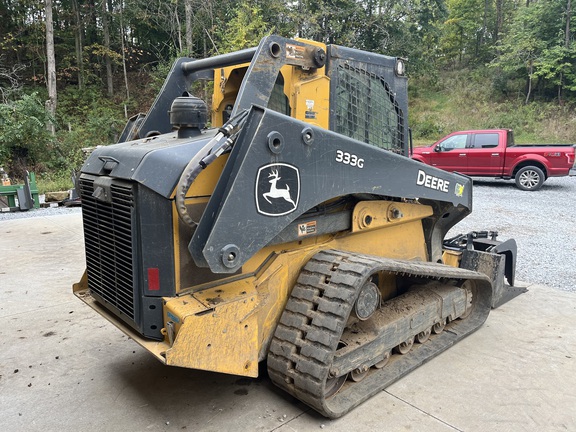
pixel 307 335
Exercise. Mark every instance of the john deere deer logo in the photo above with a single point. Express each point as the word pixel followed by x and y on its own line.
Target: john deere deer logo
pixel 277 189
pixel 278 193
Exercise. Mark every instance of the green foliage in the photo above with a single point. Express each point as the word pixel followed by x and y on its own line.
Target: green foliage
pixel 425 31
pixel 245 29
pixel 448 44
pixel 24 140
pixel 88 119
pixel 523 43
pixel 332 21
pixel 54 181
pixel 428 126
pixel 556 65
pixel 459 27
pixel 536 45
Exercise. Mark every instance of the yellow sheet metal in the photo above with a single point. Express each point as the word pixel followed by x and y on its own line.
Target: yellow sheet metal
pixel 223 339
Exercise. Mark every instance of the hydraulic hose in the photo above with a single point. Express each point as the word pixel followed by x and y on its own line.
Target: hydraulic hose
pixel 222 142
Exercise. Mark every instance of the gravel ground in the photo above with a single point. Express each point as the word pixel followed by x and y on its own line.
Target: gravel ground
pixel 41 212
pixel 543 224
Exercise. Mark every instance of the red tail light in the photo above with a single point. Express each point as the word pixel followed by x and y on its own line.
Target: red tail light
pixel 153 279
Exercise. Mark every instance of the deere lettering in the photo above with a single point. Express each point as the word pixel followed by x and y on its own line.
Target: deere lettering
pixel 432 182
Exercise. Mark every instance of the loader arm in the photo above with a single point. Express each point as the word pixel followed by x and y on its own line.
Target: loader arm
pixel 246 212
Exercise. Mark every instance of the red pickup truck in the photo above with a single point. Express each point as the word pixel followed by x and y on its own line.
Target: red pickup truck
pixel 492 153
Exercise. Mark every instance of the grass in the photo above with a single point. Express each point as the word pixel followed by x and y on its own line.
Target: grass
pixel 53 183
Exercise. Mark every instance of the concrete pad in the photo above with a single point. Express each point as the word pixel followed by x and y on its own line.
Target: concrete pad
pixel 64 368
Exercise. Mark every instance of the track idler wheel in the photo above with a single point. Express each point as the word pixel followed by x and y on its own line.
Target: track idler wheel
pixel 334 384
pixel 368 301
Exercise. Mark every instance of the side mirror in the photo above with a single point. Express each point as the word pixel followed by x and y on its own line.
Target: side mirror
pixel 438 148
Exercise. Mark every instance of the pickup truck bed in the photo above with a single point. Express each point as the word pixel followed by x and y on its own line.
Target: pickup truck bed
pixel 492 153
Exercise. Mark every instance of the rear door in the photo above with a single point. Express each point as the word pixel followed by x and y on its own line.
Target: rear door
pixel 484 156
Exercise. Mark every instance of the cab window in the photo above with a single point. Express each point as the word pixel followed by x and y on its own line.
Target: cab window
pixel 366 109
pixel 453 142
pixel 486 140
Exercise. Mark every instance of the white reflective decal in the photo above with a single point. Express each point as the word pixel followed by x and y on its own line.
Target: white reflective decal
pixel 432 182
pixel 349 159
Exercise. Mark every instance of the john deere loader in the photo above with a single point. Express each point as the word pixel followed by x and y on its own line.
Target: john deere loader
pixel 285 223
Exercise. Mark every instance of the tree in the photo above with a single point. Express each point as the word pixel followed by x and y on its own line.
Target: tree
pixel 10 81
pixel 123 48
pixel 107 57
pixel 24 138
pixel 188 15
pixel 78 42
pixel 538 45
pixel 52 101
pixel 329 21
pixel 466 33
pixel 244 29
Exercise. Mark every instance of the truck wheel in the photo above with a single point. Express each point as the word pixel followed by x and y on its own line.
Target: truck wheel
pixel 529 178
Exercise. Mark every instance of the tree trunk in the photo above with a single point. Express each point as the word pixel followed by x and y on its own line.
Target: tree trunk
pixel 178 27
pixel 499 19
pixel 78 43
pixel 123 51
pixel 484 25
pixel 529 83
pixel 91 22
pixel 566 45
pixel 107 59
pixel 51 68
pixel 567 32
pixel 188 12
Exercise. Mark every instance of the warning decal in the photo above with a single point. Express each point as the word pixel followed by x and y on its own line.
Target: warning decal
pixel 308 228
pixel 294 51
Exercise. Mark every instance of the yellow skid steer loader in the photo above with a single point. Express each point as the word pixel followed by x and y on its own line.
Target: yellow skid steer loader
pixel 293 229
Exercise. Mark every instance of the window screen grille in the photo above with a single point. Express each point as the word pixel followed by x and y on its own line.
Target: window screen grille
pixel 366 109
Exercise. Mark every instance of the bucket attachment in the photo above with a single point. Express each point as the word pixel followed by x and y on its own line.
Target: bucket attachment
pixel 481 252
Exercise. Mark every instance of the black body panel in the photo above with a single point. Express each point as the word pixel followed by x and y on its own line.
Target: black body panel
pixel 271 145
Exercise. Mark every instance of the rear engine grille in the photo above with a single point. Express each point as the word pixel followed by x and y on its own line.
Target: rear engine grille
pixel 108 243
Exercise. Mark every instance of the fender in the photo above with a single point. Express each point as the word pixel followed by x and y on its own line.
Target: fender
pixel 419 158
pixel 533 159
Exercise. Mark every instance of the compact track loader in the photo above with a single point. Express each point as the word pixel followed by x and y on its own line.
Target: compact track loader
pixel 294 230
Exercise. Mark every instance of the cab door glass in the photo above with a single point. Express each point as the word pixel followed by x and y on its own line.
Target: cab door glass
pixel 453 142
pixel 487 140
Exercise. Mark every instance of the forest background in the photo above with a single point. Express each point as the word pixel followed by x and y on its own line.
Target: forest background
pixel 72 71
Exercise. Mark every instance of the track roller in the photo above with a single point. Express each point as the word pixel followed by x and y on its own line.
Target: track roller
pixel 423 336
pixel 406 346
